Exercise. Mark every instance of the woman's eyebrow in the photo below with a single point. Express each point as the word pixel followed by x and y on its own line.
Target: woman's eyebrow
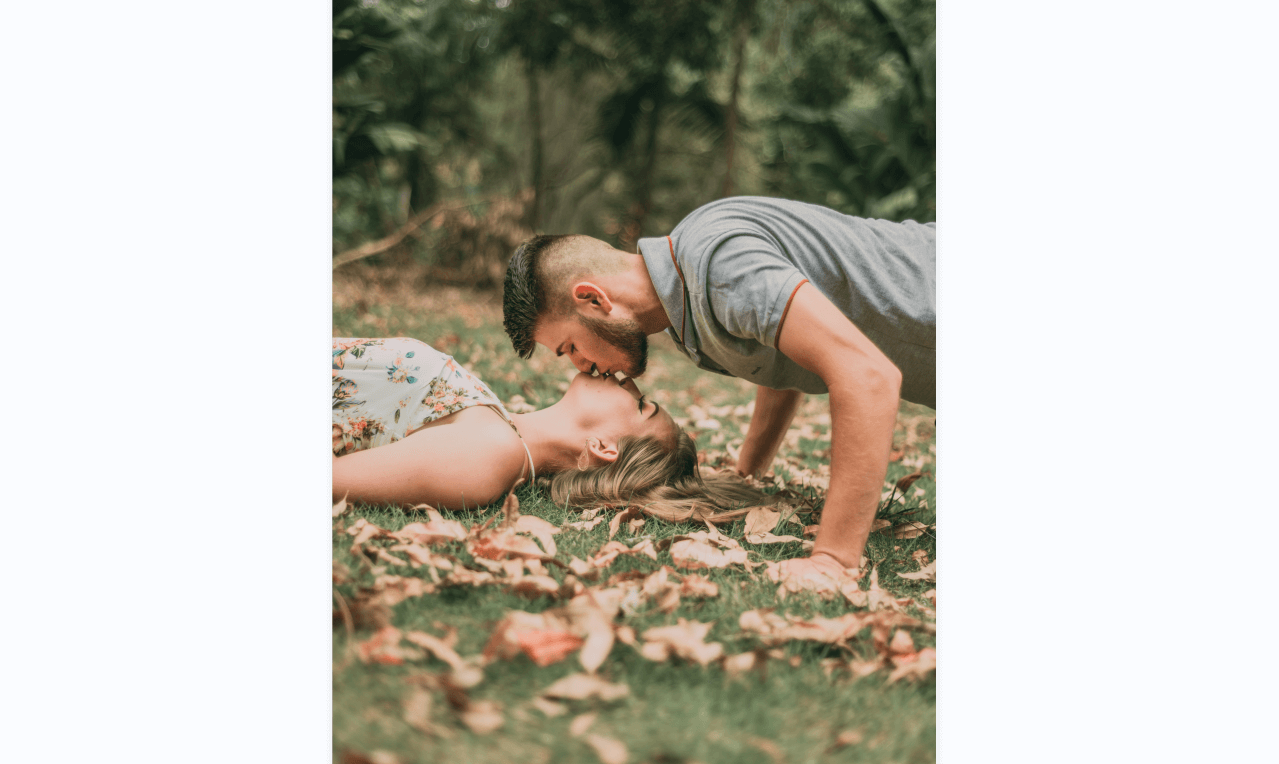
pixel 656 408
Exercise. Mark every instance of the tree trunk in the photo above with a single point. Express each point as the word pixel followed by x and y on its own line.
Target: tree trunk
pixel 535 127
pixel 634 226
pixel 730 136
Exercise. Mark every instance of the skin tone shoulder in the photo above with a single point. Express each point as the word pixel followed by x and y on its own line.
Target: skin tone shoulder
pixel 864 390
pixel 472 457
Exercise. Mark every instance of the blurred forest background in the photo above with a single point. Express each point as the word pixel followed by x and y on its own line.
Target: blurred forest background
pixel 461 127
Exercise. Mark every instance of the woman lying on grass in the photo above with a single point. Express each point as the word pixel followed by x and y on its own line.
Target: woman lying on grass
pixel 411 426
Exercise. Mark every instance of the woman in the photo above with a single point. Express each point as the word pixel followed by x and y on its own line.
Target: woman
pixel 411 426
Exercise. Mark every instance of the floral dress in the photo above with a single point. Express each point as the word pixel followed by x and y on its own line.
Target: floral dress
pixel 385 389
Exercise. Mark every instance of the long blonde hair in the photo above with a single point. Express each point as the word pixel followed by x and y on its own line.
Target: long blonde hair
pixel 663 482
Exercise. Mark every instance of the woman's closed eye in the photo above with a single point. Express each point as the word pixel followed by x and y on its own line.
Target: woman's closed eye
pixel 641 404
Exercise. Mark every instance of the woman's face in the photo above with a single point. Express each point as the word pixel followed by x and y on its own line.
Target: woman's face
pixel 600 402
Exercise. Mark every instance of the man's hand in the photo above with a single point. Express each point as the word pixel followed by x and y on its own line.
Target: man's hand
pixel 774 410
pixel 864 387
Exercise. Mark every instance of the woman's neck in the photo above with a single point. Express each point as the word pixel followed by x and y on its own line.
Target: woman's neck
pixel 553 441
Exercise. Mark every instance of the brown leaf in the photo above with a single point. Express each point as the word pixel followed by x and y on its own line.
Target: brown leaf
pixel 341 506
pixel 880 525
pixel 931 596
pixel 363 530
pixel 694 585
pixel 510 508
pixel 583 686
pixel 583 525
pixel 846 738
pixel 909 530
pixel 547 647
pixel 704 549
pixel 908 481
pixel 598 644
pixel 630 513
pixel 483 716
pixel 504 543
pixel 581 723
pixel 927 573
pixel 901 643
pixel 436 531
pixel 735 665
pixel 916 666
pixel 761 520
pixel 920 556
pixel 384 647
pixel 540 529
pixel 686 639
pixel 609 750
pixel 878 598
pixel 417 711
pixel 392 590
pixel 549 708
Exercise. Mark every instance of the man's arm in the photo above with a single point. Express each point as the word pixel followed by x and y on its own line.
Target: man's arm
pixel 774 410
pixel 864 386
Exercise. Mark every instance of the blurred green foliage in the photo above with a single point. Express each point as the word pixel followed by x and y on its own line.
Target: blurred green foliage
pixel 615 118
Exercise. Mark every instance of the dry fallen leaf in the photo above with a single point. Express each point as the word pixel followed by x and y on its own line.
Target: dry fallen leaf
pixel 581 723
pixel 878 598
pixel 908 481
pixel 901 643
pixel 583 686
pixel 704 549
pixel 549 707
pixel 909 530
pixel 846 738
pixel 436 531
pixel 392 590
pixel 417 711
pixel 609 750
pixel 384 647
pixel 341 506
pixel 915 666
pixel 920 556
pixel 686 639
pixel 483 717
pixel 626 515
pixel 464 673
pixel 584 525
pixel 927 573
pixel 363 530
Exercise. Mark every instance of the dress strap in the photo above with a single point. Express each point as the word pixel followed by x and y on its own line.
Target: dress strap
pixel 502 412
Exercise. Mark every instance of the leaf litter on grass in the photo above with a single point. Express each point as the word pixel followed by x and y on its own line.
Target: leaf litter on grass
pixel 586 597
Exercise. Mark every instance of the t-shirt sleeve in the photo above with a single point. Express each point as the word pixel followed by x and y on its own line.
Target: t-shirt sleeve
pixel 749 285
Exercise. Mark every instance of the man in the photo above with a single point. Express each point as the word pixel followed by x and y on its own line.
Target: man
pixel 791 296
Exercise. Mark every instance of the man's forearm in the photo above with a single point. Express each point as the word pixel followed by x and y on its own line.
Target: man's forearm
pixel 863 412
pixel 774 410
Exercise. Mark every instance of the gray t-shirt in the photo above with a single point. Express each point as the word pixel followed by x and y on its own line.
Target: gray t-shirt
pixel 727 273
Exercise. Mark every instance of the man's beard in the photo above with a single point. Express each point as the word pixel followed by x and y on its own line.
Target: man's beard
pixel 625 335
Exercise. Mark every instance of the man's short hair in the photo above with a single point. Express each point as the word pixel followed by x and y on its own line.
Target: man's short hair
pixel 524 295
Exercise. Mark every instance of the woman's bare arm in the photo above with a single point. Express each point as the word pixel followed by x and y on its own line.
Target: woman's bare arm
pixel 461 465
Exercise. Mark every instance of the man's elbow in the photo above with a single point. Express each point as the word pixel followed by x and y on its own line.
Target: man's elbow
pixel 879 379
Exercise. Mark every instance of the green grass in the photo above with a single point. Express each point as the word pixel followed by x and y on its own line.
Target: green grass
pixel 675 712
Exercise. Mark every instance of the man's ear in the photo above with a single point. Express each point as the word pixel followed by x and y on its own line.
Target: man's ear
pixel 589 297
pixel 601 450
